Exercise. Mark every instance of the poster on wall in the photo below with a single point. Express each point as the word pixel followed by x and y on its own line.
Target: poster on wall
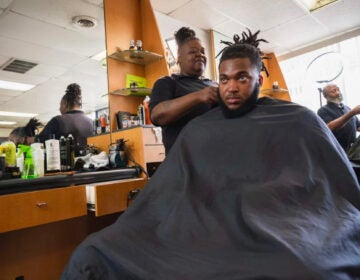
pixel 171 51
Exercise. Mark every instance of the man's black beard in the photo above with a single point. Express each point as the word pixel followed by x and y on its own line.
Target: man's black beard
pixel 243 109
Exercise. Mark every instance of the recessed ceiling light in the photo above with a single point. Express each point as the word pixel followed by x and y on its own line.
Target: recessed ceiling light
pixel 7 123
pixel 15 86
pixel 84 21
pixel 17 114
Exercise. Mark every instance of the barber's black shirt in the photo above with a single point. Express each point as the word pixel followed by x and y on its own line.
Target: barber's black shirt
pixel 167 88
pixel 346 135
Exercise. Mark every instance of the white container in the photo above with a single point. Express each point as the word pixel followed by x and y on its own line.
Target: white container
pixel 53 163
pixel 20 160
pixel 37 150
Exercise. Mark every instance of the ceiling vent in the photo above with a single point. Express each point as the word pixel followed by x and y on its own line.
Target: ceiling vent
pixel 84 21
pixel 18 66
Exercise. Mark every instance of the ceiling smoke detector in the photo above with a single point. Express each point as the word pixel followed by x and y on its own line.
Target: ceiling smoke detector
pixel 84 21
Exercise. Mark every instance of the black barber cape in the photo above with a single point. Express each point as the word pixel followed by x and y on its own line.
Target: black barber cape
pixel 269 195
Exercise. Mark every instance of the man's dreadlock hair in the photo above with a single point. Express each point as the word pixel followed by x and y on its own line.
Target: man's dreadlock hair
pixel 245 47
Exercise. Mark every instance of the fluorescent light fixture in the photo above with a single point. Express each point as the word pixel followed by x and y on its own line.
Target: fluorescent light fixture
pixel 100 56
pixel 313 5
pixel 15 86
pixel 17 114
pixel 7 123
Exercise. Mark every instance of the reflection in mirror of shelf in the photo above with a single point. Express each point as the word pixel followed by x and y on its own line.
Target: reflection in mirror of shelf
pixel 272 91
pixel 132 91
pixel 137 57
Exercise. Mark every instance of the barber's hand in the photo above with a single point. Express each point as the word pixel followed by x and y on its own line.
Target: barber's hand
pixel 209 95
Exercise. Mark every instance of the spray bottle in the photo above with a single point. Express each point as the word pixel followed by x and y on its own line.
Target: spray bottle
pixel 29 171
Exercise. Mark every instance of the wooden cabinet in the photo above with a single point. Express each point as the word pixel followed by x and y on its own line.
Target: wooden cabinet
pixel 29 209
pixel 143 145
pixel 127 20
pixel 114 196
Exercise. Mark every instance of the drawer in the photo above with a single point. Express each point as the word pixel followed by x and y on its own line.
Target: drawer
pixel 150 137
pixel 29 209
pixel 154 153
pixel 111 197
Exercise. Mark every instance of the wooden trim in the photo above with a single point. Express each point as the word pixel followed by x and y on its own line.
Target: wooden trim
pixel 213 68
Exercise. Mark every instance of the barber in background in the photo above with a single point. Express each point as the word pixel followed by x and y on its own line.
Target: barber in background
pixel 341 120
pixel 71 121
pixel 177 99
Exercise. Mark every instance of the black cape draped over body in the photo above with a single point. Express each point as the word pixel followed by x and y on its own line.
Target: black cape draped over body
pixel 268 195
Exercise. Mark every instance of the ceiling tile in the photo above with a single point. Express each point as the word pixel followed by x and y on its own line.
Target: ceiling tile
pixel 5 3
pixel 296 34
pixel 340 16
pixel 206 17
pixel 258 14
pixel 37 32
pixel 167 7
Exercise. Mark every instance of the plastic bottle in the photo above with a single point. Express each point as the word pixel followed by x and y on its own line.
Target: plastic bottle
pixel 9 149
pixel 20 160
pixel 53 163
pixel 147 110
pixel 70 143
pixel 29 171
pixel 38 155
pixel 65 166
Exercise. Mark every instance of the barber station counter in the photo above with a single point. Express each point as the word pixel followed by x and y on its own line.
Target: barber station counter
pixel 42 220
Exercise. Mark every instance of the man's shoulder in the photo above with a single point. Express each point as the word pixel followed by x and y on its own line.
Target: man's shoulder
pixel 278 105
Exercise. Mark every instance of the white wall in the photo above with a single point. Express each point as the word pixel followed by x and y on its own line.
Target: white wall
pixel 4 132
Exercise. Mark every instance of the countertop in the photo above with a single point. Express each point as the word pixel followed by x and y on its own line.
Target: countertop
pixel 63 180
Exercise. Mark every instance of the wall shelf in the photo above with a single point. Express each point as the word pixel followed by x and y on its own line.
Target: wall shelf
pixel 132 91
pixel 136 57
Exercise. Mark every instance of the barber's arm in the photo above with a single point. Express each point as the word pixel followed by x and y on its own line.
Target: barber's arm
pixel 341 121
pixel 171 110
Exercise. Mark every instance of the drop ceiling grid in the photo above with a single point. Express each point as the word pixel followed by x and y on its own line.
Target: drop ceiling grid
pixel 258 14
pixel 29 30
pixel 55 12
pixel 340 16
pixel 167 7
pixel 296 34
pixel 199 14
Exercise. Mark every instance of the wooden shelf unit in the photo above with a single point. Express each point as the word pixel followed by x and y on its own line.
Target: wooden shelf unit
pixel 136 57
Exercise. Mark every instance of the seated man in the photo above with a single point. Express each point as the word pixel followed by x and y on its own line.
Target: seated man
pixel 340 119
pixel 253 189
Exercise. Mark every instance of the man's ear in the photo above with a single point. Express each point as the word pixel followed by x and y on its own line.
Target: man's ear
pixel 260 80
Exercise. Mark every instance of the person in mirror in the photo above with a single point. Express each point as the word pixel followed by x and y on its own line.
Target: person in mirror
pixel 25 134
pixel 71 121
pixel 340 119
pixel 177 99
pixel 256 188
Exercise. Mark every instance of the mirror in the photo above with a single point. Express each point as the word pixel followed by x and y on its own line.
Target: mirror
pixel 47 45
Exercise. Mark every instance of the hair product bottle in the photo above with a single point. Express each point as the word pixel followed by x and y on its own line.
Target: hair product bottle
pixel 53 162
pixel 70 143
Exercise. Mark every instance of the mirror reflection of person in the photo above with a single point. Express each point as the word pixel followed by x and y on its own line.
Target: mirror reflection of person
pixel 71 121
pixel 177 99
pixel 340 119
pixel 253 189
pixel 25 134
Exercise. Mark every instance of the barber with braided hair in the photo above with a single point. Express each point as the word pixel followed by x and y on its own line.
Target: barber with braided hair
pixel 177 99
pixel 71 121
